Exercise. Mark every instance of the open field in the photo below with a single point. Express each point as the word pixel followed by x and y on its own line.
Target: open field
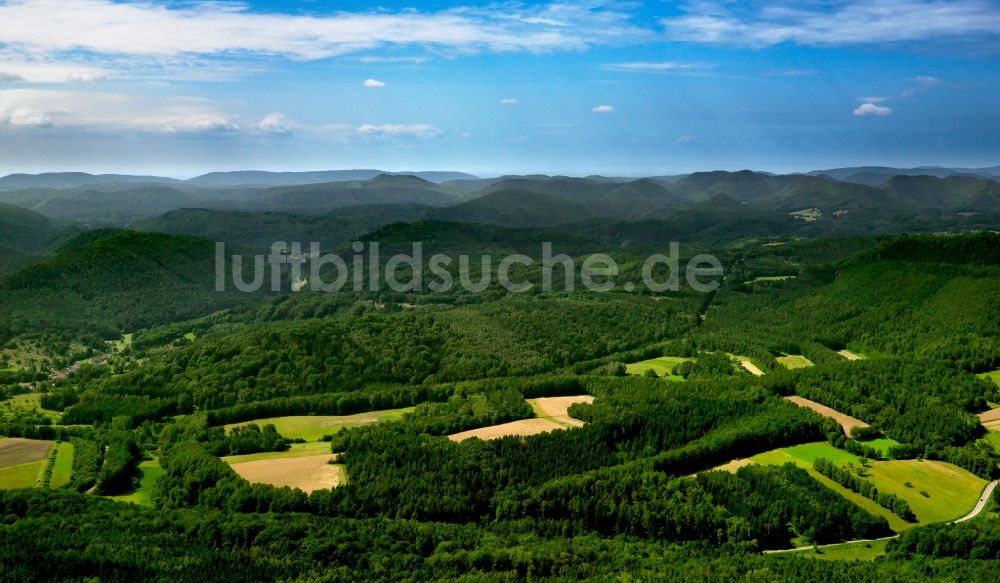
pixel 27 475
pixel 992 438
pixel 557 408
pixel 26 403
pixel 523 427
pixel 849 355
pixel 793 361
pixel 881 444
pixel 297 450
pixel 307 473
pixel 150 472
pixel 952 491
pixel 62 469
pixel 314 427
pixel 663 366
pixel 15 452
pixel 859 551
pixel 846 421
pixel 990 419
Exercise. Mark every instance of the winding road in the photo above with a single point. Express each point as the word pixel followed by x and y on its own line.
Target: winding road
pixel 987 492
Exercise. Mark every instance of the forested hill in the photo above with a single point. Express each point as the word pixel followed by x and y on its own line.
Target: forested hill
pixel 113 281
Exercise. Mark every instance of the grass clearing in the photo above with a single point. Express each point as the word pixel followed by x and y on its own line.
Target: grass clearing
pixel 297 450
pixel 881 444
pixel 557 408
pixel 849 552
pixel 765 278
pixel 663 366
pixel 793 361
pixel 27 475
pixel 850 355
pixel 149 472
pixel 846 421
pixel 62 469
pixel 314 427
pixel 307 473
pixel 524 427
pixel 992 438
pixel 27 403
pixel 952 491
pixel 747 364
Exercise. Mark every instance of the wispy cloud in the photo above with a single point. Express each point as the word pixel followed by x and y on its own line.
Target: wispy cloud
pixel 508 101
pixel 603 109
pixel 840 22
pixel 10 77
pixel 158 31
pixel 654 67
pixel 374 84
pixel 278 123
pixel 86 77
pixel 419 130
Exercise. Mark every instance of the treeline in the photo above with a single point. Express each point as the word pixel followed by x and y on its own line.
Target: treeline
pixel 973 539
pixel 63 536
pixel 855 483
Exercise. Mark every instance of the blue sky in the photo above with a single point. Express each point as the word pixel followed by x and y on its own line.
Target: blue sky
pixel 618 88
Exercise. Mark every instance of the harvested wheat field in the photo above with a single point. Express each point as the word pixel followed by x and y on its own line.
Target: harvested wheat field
pixel 848 354
pixel 990 419
pixel 557 408
pixel 305 473
pixel 523 428
pixel 846 421
pixel 732 466
pixel 15 452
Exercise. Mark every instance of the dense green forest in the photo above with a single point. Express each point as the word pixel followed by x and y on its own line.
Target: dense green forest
pixel 627 486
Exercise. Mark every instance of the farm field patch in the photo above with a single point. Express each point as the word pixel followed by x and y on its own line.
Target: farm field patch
pixel 881 444
pixel 308 473
pixel 314 427
pixel 793 361
pixel 557 408
pixel 296 450
pixel 524 427
pixel 15 452
pixel 993 376
pixel 663 366
pixel 850 355
pixel 846 421
pixel 62 469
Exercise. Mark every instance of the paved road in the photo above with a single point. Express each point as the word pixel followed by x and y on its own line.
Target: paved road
pixel 975 512
pixel 982 502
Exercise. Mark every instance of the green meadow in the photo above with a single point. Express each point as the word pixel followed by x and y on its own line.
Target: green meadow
pixel 314 427
pixel 663 366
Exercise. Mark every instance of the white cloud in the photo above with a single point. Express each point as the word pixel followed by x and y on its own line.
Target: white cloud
pixel 374 84
pixel 685 138
pixel 654 67
pixel 508 101
pixel 185 29
pixel 111 111
pixel 867 109
pixel 10 77
pixel 603 109
pixel 277 123
pixel 842 22
pixel 419 130
pixel 878 99
pixel 85 77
